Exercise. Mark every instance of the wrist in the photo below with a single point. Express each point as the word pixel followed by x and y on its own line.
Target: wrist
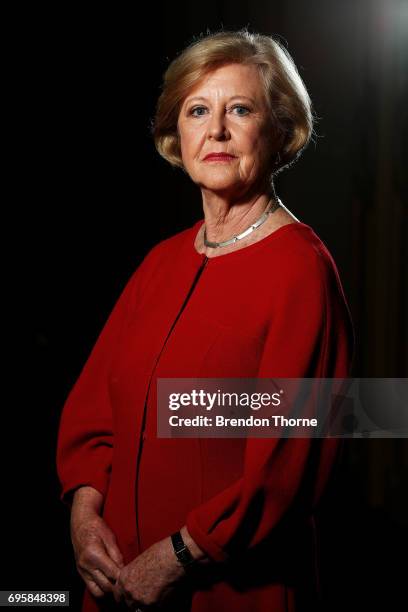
pixel 86 498
pixel 197 553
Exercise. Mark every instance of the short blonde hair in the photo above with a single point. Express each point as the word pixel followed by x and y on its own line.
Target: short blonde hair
pixel 286 95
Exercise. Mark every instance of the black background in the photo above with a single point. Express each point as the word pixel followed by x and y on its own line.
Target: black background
pixel 89 195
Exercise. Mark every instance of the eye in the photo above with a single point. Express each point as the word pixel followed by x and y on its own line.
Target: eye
pixel 196 111
pixel 196 108
pixel 241 107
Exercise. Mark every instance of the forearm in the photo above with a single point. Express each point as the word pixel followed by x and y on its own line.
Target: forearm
pixel 86 499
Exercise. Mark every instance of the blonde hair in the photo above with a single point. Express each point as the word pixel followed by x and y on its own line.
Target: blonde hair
pixel 288 102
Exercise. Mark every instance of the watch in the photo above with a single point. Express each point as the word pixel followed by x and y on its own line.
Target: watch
pixel 182 552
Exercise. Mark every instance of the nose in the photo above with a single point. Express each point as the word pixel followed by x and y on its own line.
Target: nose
pixel 217 127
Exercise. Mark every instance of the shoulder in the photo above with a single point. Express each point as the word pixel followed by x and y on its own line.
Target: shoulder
pixel 313 282
pixel 164 250
pixel 302 263
pixel 302 251
pixel 170 245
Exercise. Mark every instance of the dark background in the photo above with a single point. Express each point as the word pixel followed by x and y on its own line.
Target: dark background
pixel 92 195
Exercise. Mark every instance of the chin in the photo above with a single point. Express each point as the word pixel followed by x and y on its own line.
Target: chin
pixel 217 180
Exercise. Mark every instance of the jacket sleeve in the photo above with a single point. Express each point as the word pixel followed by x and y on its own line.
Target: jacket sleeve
pixel 85 436
pixel 310 335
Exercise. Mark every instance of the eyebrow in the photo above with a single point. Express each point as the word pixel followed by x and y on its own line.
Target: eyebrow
pixel 232 98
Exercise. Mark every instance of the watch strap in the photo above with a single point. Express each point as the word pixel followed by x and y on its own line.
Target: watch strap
pixel 182 551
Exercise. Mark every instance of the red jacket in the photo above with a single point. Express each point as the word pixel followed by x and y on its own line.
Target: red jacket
pixel 275 308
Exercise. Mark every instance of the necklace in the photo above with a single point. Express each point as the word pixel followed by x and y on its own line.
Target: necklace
pixel 251 228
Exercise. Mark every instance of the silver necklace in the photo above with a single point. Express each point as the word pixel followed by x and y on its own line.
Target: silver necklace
pixel 251 228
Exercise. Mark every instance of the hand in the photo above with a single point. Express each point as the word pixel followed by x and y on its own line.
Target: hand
pixel 98 558
pixel 151 577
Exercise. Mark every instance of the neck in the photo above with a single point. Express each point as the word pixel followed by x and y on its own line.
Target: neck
pixel 225 218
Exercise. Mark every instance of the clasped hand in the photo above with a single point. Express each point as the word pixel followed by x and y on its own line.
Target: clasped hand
pixel 150 578
pixel 146 581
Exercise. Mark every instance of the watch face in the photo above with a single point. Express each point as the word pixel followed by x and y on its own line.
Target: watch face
pixel 185 556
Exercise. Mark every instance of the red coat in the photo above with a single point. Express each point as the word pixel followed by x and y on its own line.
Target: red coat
pixel 275 308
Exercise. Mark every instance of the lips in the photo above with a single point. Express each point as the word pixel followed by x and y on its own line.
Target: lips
pixel 219 157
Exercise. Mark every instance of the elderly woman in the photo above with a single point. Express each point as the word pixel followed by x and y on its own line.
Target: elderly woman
pixel 207 524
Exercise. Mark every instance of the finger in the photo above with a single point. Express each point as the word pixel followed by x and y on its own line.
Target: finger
pixel 121 597
pixel 96 557
pixel 117 594
pixel 91 585
pixel 105 583
pixel 108 567
pixel 113 551
pixel 99 579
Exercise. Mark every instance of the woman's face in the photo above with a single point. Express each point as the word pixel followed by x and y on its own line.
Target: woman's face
pixel 226 113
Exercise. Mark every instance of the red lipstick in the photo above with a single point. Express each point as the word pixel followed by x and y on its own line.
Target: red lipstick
pixel 219 157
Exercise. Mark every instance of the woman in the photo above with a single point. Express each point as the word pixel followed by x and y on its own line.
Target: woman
pixel 247 292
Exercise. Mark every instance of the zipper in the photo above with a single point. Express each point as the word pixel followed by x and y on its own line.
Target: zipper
pixel 187 298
